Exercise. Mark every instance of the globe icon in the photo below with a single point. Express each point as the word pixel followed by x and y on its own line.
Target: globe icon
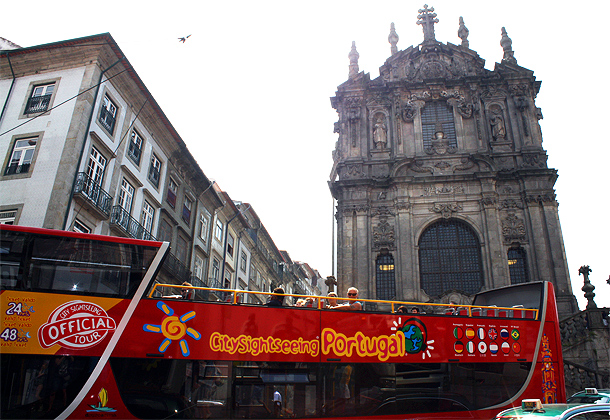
pixel 415 336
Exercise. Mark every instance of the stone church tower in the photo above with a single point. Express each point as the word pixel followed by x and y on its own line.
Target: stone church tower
pixel 441 181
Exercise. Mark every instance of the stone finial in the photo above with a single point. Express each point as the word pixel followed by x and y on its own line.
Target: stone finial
pixel 353 61
pixel 507 43
pixel 588 287
pixel 393 39
pixel 463 33
pixel 427 19
pixel 331 282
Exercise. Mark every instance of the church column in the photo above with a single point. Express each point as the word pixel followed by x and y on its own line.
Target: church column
pixel 406 262
pixel 493 250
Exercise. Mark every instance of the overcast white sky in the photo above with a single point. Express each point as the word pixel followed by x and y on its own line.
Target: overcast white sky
pixel 249 94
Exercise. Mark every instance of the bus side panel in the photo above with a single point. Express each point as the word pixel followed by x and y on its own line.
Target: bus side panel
pixel 178 329
pixel 48 323
pixel 104 400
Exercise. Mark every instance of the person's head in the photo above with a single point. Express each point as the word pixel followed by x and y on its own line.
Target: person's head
pixel 332 299
pixel 300 302
pixel 415 310
pixel 186 291
pixel 402 309
pixel 352 292
pixel 280 291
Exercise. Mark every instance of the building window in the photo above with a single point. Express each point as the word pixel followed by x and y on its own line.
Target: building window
pixel 243 263
pixel 186 210
pixel 230 244
pixel 165 231
pixel 215 270
pixel 172 192
pixel 40 99
pixel 198 267
pixel 22 155
pixel 450 259
pixel 95 173
pixel 154 171
pixel 126 195
pixel 386 277
pixel 135 147
pixel 517 265
pixel 7 217
pixel 108 114
pixel 148 216
pixel 80 227
pixel 181 250
pixel 437 116
pixel 203 227
pixel 218 230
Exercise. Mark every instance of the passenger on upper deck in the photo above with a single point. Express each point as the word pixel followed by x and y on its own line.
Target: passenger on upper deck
pixel 185 293
pixel 276 300
pixel 402 309
pixel 354 305
pixel 332 302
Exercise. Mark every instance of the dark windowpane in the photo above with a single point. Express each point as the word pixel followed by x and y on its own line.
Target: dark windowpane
pixel 517 266
pixel 450 259
pixel 386 282
pixel 437 112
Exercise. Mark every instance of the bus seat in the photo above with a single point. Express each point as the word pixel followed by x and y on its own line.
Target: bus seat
pixel 517 312
pixel 476 311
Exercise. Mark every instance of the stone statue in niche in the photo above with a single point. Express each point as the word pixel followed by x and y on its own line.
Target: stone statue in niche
pixel 380 133
pixel 498 130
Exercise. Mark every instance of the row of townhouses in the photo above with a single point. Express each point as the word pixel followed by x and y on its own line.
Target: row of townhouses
pixel 87 148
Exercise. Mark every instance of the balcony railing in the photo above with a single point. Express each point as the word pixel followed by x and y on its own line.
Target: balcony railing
pixel 107 120
pixel 37 104
pixel 14 168
pixel 93 193
pixel 121 218
pixel 176 269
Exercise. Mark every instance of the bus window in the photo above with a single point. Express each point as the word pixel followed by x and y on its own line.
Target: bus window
pixel 68 264
pixel 40 386
pixel 172 389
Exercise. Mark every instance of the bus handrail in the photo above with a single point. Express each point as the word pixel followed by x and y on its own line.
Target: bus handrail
pixel 393 304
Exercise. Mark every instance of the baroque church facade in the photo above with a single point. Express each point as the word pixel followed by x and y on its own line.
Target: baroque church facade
pixel 440 177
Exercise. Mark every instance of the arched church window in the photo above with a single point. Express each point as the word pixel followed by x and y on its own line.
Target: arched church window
pixel 386 277
pixel 438 116
pixel 517 265
pixel 450 259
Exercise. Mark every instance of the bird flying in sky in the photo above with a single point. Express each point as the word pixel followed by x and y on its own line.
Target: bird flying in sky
pixel 183 39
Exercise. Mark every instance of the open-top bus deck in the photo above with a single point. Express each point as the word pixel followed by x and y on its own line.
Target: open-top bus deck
pixel 117 348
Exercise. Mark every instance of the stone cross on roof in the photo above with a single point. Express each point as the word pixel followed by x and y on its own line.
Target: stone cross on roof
pixel 427 18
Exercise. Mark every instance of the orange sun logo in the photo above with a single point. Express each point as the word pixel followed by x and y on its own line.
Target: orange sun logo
pixel 174 328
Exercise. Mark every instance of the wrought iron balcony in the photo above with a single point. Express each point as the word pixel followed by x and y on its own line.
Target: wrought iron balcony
pixel 173 266
pixel 107 120
pixel 122 219
pixel 93 193
pixel 37 104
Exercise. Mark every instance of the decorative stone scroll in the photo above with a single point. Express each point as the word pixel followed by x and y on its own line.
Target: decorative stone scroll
pixel 446 209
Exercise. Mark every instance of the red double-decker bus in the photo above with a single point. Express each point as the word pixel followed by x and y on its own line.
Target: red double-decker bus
pixel 86 333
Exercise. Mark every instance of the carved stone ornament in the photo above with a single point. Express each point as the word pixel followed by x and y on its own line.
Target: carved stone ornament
pixel 382 211
pixel 513 228
pixel 510 203
pixel 354 208
pixel 464 109
pixel 445 209
pixel 534 160
pixel 408 111
pixel 444 190
pixel 440 145
pixel 465 164
pixel 353 171
pixel 383 235
pixel 541 198
pixel 494 91
pixel 419 167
